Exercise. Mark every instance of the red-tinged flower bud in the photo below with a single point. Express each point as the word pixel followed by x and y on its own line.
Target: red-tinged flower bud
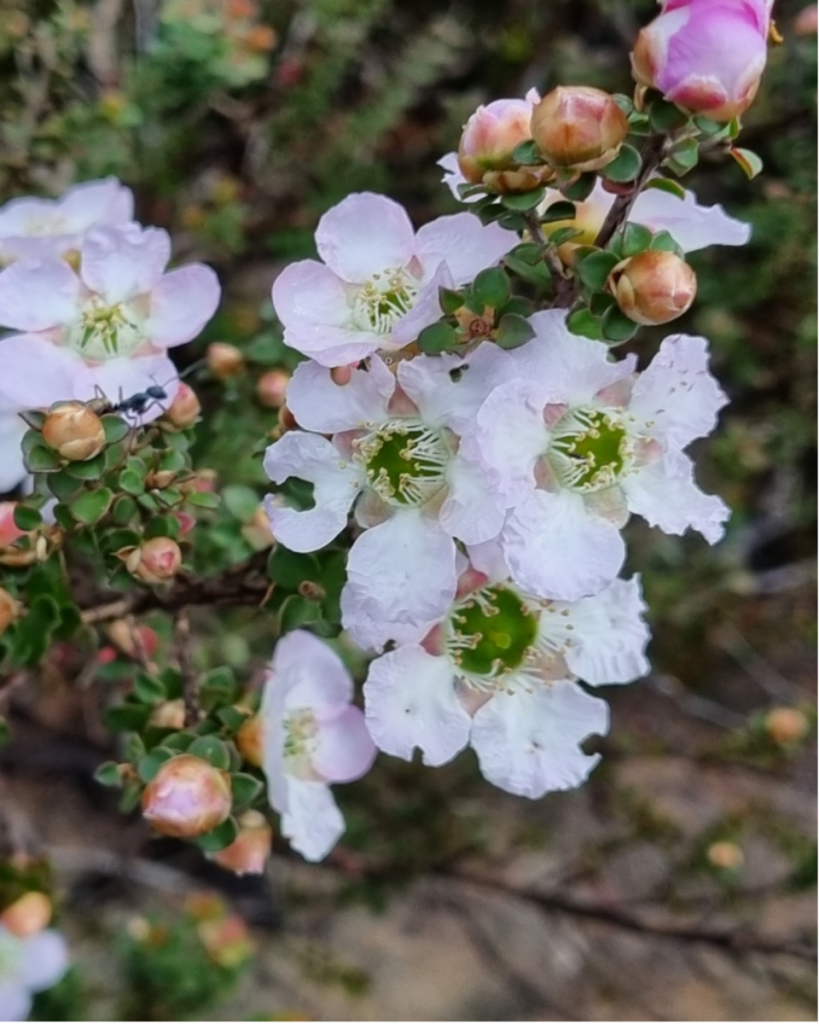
pixel 706 57
pixel 186 522
pixel 158 560
pixel 807 21
pixel 9 610
pixel 184 410
pixel 725 855
pixel 653 287
pixel 224 361
pixel 170 714
pixel 250 850
pixel 187 797
pixel 74 432
pixel 489 139
pixel 250 741
pixel 786 725
pixel 579 127
pixel 271 388
pixel 9 531
pixel 27 915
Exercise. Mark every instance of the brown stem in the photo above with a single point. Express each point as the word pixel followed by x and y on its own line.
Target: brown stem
pixel 564 285
pixel 653 154
pixel 190 687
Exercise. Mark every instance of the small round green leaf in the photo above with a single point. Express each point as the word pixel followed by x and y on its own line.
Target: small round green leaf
pixel 91 506
pixel 625 167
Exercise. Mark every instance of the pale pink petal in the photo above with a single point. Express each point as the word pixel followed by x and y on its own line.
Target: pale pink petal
pixel 466 245
pixel 336 484
pixel 426 309
pixel 529 743
pixel 308 292
pixel 676 399
pixel 182 302
pixel 556 549
pixel 665 495
pixel 470 513
pixel 609 634
pixel 38 294
pixel 307 673
pixel 488 559
pixel 449 389
pixel 333 346
pixel 43 960
pixel 313 823
pixel 369 631
pixel 15 1002
pixel 106 201
pixel 410 702
pixel 365 234
pixel 319 404
pixel 453 177
pixel 35 373
pixel 691 225
pixel 12 470
pixel 403 571
pixel 345 749
pixel 123 261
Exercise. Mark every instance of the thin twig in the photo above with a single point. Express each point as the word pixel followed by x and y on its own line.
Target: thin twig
pixel 190 688
pixel 653 154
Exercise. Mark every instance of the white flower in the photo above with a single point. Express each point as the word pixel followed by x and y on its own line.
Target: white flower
pixel 32 228
pixel 27 966
pixel 313 736
pixel 578 442
pixel 12 428
pixel 378 285
pixel 497 671
pixel 394 453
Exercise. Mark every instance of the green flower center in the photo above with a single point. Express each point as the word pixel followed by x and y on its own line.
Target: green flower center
pixel 589 449
pixel 405 461
pixel 104 332
pixel 491 633
pixel 383 299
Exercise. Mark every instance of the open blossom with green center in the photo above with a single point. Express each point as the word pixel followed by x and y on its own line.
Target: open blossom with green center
pixel 377 287
pixel 394 455
pixel 104 328
pixel 498 672
pixel 28 965
pixel 313 736
pixel 579 442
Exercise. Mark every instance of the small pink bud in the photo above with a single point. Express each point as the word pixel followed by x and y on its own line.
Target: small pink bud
pixel 653 287
pixel 9 610
pixel 786 725
pixel 807 21
pixel 9 531
pixel 187 797
pixel 725 855
pixel 341 375
pixel 249 852
pixel 74 432
pixel 185 409
pixel 271 388
pixel 250 741
pixel 489 139
pixel 224 361
pixel 579 127
pixel 133 640
pixel 27 915
pixel 170 714
pixel 158 560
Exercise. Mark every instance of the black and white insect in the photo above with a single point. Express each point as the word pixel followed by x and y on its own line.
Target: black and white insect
pixel 137 405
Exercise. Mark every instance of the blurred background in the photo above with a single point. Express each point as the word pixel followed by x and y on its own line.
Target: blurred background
pixel 679 884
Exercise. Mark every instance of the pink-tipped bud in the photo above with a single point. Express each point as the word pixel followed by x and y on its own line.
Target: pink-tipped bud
pixel 653 287
pixel 9 531
pixel 224 361
pixel 706 57
pixel 184 411
pixel 135 641
pixel 271 388
pixel 250 741
pixel 807 21
pixel 786 726
pixel 249 852
pixel 27 915
pixel 489 139
pixel 74 432
pixel 579 127
pixel 187 797
pixel 9 610
pixel 725 856
pixel 158 560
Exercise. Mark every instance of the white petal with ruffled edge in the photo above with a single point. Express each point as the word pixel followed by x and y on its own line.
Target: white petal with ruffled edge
pixel 410 702
pixel 38 294
pixel 556 549
pixel 124 261
pixel 308 673
pixel 426 310
pixel 529 743
pixel 182 302
pixel 34 372
pixel 319 404
pixel 336 483
pixel 313 823
pixel 691 225
pixel 469 512
pixel 466 245
pixel 365 234
pixel 12 429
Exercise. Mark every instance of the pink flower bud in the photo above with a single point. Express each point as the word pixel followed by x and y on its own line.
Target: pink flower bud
pixel 250 850
pixel 158 560
pixel 249 741
pixel 224 361
pixel 807 21
pixel 74 432
pixel 271 388
pixel 786 725
pixel 9 610
pixel 187 797
pixel 579 127
pixel 27 915
pixel 488 141
pixel 653 287
pixel 9 531
pixel 185 409
pixel 707 56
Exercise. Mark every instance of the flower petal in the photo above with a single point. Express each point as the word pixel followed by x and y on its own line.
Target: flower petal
pixel 410 702
pixel 15 1002
pixel 313 823
pixel 106 201
pixel 365 234
pixel 308 292
pixel 466 245
pixel 691 225
pixel 43 960
pixel 34 372
pixel 12 470
pixel 309 674
pixel 336 484
pixel 529 743
pixel 123 261
pixel 38 294
pixel 556 549
pixel 426 309
pixel 182 302
pixel 470 512
pixel 333 346
pixel 345 749
pixel 676 394
pixel 319 404
pixel 453 177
